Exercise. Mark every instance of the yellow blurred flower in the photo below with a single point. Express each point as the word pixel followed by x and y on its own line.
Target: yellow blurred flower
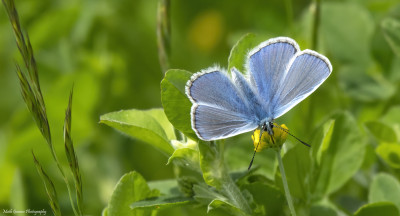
pixel 207 30
pixel 266 142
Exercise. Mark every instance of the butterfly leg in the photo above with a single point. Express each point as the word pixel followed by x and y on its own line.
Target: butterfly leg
pixel 259 140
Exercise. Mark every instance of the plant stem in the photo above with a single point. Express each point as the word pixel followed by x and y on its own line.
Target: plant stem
pixel 289 14
pixel 316 24
pixel 314 45
pixel 163 34
pixel 285 184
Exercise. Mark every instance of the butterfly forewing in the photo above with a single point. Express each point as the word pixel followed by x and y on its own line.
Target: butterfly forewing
pixel 267 64
pixel 256 104
pixel 306 73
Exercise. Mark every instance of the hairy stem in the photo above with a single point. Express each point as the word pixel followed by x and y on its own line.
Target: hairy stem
pixel 231 190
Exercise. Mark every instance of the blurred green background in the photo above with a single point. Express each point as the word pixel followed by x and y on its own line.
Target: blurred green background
pixel 108 51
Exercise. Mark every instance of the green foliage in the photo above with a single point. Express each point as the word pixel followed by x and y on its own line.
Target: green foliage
pixel 341 153
pixel 112 53
pixel 364 87
pixel 162 202
pixel 391 29
pixel 186 157
pixel 149 126
pixel 215 174
pixel 378 208
pixel 322 210
pixel 131 188
pixel 237 57
pixel 385 188
pixel 176 104
pixel 267 205
pixel 341 44
pixel 381 131
pixel 390 153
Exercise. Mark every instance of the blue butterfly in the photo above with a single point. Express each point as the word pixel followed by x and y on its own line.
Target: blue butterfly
pixel 279 76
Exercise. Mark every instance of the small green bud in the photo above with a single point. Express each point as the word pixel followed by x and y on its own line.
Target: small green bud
pixel 185 185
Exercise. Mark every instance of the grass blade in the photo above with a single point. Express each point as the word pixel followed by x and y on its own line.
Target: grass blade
pixel 71 156
pixel 32 94
pixel 50 189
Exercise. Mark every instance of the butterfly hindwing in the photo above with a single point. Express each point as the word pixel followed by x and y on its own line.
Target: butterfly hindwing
pixel 211 123
pixel 219 109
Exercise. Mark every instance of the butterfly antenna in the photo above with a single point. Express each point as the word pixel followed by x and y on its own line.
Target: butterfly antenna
pixel 255 150
pixel 287 131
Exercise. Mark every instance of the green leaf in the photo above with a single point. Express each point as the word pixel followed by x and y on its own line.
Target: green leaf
pixel 391 30
pixel 213 199
pixel 104 212
pixel 238 55
pixel 340 18
pixel 359 85
pixel 390 153
pixel 211 163
pixel 270 197
pixel 144 125
pixel 238 157
pixel 321 140
pixel 341 160
pixel 175 102
pixel 166 187
pixel 392 117
pixel 186 184
pixel 162 119
pixel 215 174
pixel 186 157
pixel 385 187
pixel 381 131
pixel 162 202
pixel 381 51
pixel 131 188
pixel 320 209
pixel 297 166
pixel 224 204
pixel 205 194
pixel 378 208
